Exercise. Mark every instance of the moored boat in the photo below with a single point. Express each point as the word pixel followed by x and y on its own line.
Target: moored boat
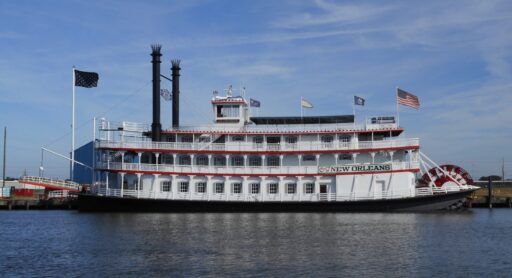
pixel 245 163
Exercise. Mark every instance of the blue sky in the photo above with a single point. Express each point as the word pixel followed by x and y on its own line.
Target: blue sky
pixel 456 56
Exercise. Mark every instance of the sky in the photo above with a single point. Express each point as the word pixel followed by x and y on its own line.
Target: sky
pixel 456 56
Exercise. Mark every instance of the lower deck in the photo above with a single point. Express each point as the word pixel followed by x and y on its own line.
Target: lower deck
pixel 262 189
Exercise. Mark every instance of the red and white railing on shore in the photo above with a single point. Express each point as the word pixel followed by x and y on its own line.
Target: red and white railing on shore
pixel 50 183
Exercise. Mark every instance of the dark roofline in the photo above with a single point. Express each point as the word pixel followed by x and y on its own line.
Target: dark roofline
pixel 337 119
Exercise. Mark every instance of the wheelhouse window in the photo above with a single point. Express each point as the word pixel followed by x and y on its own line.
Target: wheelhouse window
pixel 272 188
pixel 228 111
pixel 219 160
pixel 273 161
pixel 165 186
pixel 219 187
pixel 237 160
pixel 184 160
pixel 201 187
pixel 291 188
pixel 236 188
pixel 309 188
pixel 254 160
pixel 202 160
pixel 255 188
pixel 183 186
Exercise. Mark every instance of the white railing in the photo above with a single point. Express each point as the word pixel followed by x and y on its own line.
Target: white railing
pixel 249 146
pixel 50 182
pixel 265 197
pixel 261 170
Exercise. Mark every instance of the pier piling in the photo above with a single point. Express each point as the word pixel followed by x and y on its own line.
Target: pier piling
pixel 489 193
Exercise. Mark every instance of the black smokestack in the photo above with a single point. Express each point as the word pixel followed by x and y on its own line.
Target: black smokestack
pixel 156 127
pixel 175 93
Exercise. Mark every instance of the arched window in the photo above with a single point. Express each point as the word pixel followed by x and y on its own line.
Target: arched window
pixel 291 188
pixel 219 187
pixel 255 188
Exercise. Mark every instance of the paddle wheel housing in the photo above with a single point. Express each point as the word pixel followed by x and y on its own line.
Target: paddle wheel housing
pixel 452 175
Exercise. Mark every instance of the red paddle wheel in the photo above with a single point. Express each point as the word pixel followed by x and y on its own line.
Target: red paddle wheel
pixel 450 174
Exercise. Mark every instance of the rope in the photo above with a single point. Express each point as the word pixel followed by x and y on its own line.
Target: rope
pixel 84 123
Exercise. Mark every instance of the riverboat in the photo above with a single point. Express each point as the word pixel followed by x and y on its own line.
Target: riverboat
pixel 244 163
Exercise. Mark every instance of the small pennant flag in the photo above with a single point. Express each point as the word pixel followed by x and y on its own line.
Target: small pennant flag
pixel 407 99
pixel 254 103
pixel 359 100
pixel 86 79
pixel 305 103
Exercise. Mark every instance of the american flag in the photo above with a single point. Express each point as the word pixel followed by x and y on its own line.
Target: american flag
pixel 407 99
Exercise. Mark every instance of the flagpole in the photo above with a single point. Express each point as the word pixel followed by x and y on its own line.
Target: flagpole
pixel 73 129
pixel 354 112
pixel 93 150
pixel 301 109
pixel 397 114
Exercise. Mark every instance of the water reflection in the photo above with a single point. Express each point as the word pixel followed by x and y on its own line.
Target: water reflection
pixel 256 244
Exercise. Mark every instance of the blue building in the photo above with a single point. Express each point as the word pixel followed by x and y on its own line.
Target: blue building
pixel 84 154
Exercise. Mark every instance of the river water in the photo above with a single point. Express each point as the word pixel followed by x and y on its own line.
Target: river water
pixel 68 243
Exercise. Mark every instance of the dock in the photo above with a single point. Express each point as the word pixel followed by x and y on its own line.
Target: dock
pixel 500 197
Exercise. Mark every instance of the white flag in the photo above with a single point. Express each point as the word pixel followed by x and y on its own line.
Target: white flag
pixel 305 103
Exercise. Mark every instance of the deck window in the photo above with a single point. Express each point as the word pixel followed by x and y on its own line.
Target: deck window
pixel 255 160
pixel 327 138
pixel 308 157
pixel 236 188
pixel 167 159
pixel 257 140
pixel 201 187
pixel 291 139
pixel 272 188
pixel 165 186
pixel 237 138
pixel 344 138
pixel 291 188
pixel 237 160
pixel 255 188
pixel 219 187
pixel 184 160
pixel 219 160
pixel 273 161
pixel 183 186
pixel 309 188
pixel 202 160
pixel 186 139
pixel 345 156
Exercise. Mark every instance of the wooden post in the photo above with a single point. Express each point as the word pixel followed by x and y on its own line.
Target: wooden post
pixel 489 193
